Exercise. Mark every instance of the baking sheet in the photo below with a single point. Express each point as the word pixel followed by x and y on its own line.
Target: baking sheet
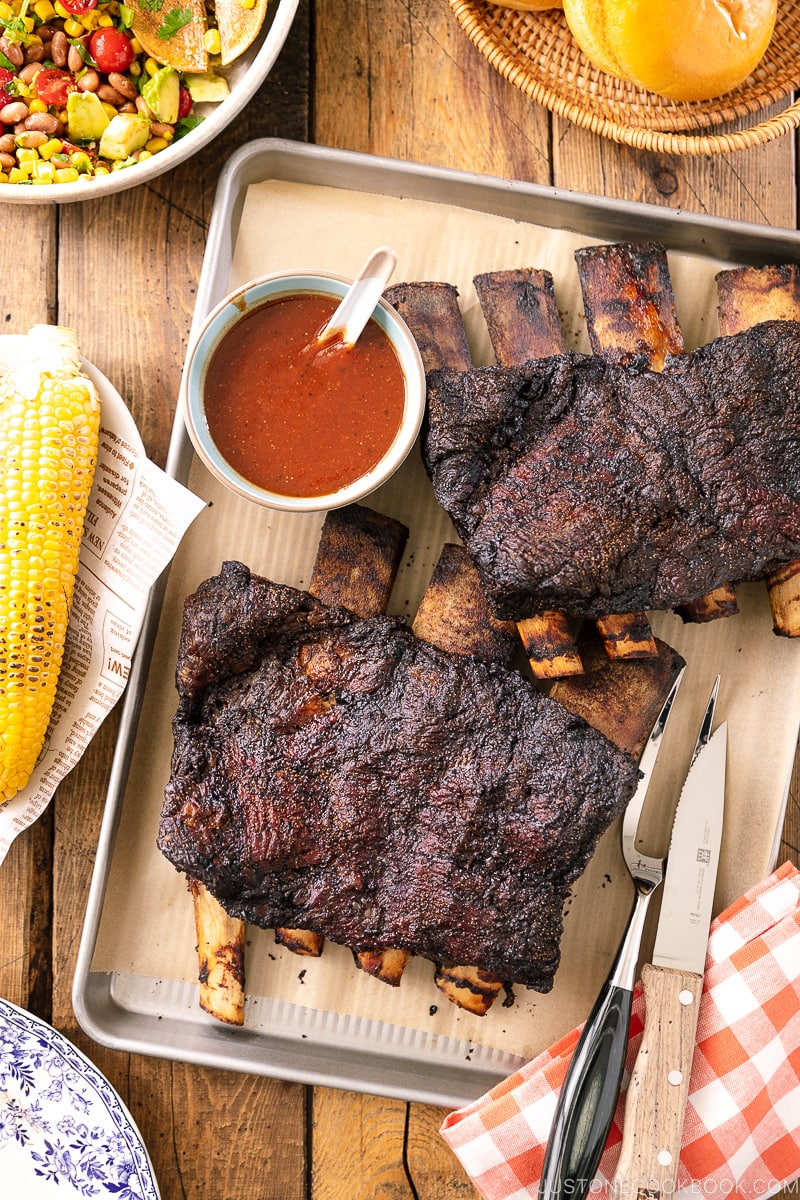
pixel 285 206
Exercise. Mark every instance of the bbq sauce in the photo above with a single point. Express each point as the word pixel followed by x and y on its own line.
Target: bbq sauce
pixel 296 418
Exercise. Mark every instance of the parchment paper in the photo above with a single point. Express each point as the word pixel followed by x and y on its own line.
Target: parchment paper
pixel 146 927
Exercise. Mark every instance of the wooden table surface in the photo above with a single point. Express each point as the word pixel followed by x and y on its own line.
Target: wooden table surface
pixel 387 77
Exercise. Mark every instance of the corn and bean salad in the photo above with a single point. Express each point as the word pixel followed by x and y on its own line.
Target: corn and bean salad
pixel 79 98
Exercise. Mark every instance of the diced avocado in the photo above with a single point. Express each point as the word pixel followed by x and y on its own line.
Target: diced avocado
pixel 124 135
pixel 207 89
pixel 162 93
pixel 86 117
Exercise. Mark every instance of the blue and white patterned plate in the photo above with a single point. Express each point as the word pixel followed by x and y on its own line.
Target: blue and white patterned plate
pixel 64 1131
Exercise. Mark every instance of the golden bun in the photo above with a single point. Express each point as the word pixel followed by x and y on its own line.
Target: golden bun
pixel 680 49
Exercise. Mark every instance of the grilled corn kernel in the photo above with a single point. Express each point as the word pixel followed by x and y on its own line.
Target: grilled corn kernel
pixel 73 28
pixel 6 11
pixel 104 21
pixel 59 7
pixel 66 175
pixel 37 106
pixel 50 147
pixel 26 154
pixel 44 10
pixel 151 66
pixel 211 41
pixel 155 144
pixel 49 421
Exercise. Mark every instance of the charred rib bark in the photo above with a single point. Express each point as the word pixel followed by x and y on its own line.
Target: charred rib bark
pixel 592 487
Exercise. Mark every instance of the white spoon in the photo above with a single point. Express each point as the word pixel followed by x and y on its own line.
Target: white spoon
pixel 360 301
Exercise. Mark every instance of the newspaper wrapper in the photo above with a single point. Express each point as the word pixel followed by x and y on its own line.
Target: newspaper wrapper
pixel 135 520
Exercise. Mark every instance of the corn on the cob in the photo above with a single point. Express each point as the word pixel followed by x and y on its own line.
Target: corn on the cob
pixel 49 423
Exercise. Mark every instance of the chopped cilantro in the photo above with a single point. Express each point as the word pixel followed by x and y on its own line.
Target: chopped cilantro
pixel 15 26
pixel 174 21
pixel 80 47
pixel 152 5
pixel 186 125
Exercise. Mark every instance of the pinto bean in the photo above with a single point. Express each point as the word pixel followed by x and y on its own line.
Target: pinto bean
pixel 59 48
pixel 7 144
pixel 126 87
pixel 13 51
pixel 34 53
pixel 44 122
pixel 7 161
pixel 159 128
pixel 11 114
pixel 88 82
pixel 74 60
pixel 29 73
pixel 31 139
pixel 110 95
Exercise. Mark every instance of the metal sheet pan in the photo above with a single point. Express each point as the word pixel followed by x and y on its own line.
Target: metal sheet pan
pixel 159 1016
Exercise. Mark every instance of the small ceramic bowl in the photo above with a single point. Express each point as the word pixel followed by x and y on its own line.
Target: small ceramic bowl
pixel 240 304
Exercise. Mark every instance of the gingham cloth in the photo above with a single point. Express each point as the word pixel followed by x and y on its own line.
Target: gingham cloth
pixel 742 1130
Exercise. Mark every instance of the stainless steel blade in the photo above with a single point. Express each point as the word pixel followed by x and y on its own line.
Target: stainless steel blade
pixel 693 859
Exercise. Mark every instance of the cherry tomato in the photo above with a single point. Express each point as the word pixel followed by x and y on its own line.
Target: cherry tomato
pixel 111 49
pixel 5 77
pixel 54 85
pixel 78 7
pixel 184 102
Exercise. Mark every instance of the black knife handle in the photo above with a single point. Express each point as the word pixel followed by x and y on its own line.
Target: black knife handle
pixel 588 1098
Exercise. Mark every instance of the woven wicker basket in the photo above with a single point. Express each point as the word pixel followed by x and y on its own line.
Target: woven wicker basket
pixel 537 53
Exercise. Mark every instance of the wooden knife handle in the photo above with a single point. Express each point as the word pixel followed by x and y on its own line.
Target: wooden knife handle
pixel 656 1102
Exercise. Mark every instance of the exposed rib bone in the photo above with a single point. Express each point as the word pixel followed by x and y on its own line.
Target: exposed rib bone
pixel 630 312
pixel 454 615
pixel 432 314
pixel 220 954
pixel 747 296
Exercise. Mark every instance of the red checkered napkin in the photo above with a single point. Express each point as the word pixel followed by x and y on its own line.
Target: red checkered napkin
pixel 742 1131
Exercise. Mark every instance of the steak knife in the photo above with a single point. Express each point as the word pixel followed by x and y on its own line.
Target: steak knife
pixel 656 1102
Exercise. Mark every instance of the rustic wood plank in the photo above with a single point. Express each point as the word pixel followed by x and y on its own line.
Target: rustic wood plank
pixel 751 184
pixel 357 1145
pixel 402 80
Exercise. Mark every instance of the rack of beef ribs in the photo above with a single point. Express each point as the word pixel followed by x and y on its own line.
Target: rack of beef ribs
pixel 747 296
pixel 591 486
pixel 339 774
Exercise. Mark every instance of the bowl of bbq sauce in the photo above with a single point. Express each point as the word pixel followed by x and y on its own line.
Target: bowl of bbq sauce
pixel 292 423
